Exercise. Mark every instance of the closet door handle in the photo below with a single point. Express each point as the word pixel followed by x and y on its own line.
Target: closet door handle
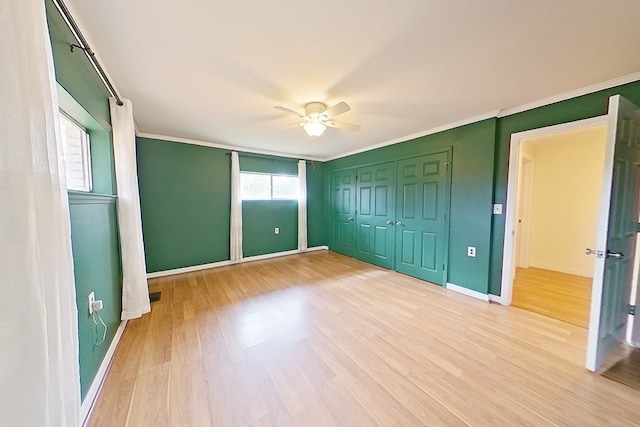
pixel 398 223
pixel 350 218
pixel 389 222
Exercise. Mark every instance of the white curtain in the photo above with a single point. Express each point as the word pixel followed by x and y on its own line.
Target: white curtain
pixel 302 206
pixel 235 244
pixel 135 292
pixel 39 372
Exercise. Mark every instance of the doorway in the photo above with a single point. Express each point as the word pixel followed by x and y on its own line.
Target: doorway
pixel 615 272
pixel 557 205
pixel 509 263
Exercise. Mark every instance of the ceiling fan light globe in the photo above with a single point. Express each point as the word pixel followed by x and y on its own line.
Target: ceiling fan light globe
pixel 314 128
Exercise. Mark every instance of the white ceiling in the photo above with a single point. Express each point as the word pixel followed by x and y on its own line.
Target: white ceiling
pixel 212 70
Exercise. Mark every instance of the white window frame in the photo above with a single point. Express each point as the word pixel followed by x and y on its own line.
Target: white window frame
pixel 85 147
pixel 270 175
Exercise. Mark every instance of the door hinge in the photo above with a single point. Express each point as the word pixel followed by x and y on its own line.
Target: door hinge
pixel 632 310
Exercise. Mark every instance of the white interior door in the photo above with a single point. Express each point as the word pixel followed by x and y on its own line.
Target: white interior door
pixel 525 200
pixel 634 333
pixel 617 233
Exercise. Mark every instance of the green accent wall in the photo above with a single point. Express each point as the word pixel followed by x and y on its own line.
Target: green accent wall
pixel 185 198
pixel 74 70
pixel 479 178
pixel 260 218
pixel 94 231
pixel 268 164
pixel 102 164
pixel 471 192
pixel 579 108
pixel 97 268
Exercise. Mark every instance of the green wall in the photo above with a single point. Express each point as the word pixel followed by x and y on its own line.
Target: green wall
pixel 260 217
pixel 94 232
pixel 479 178
pixel 74 70
pixel 579 108
pixel 185 197
pixel 97 268
pixel 102 164
pixel 471 192
pixel 265 241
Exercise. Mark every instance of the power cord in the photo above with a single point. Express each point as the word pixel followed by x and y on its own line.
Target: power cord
pixel 97 306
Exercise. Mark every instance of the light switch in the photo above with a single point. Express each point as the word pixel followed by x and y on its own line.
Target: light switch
pixel 276 230
pixel 497 209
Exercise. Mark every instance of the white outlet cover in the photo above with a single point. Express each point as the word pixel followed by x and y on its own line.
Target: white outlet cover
pixel 91 298
pixel 471 251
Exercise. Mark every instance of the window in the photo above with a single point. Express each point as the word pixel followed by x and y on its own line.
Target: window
pixel 264 186
pixel 77 163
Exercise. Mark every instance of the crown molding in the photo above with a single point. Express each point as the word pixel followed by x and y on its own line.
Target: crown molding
pixel 608 84
pixel 432 131
pixel 225 146
pixel 629 78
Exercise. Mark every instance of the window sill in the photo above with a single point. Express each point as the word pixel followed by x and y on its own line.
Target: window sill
pixel 84 197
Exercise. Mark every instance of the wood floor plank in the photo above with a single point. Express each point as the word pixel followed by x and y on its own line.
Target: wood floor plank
pixel 555 294
pixel 319 339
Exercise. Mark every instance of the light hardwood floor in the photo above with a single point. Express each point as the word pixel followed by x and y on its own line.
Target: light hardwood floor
pixel 559 295
pixel 322 340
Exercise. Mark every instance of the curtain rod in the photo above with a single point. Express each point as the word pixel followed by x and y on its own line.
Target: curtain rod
pixel 270 157
pixel 86 48
pixel 265 156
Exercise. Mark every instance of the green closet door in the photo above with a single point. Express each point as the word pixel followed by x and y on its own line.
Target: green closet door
pixel 343 211
pixel 374 220
pixel 421 216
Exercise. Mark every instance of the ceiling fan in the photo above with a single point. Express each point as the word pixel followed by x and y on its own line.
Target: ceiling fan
pixel 317 117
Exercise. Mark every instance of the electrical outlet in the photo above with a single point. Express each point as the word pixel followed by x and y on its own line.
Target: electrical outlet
pixel 276 230
pixel 471 251
pixel 92 299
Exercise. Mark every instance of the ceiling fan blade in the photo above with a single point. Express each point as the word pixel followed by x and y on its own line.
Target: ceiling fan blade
pixel 340 108
pixel 289 111
pixel 297 125
pixel 340 125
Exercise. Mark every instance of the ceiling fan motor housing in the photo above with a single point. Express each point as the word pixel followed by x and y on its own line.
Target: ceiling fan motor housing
pixel 314 109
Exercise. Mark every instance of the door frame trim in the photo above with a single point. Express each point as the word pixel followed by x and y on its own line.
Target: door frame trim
pixel 508 258
pixel 526 200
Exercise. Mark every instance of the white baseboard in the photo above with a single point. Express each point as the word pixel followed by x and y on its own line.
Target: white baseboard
pixel 496 299
pixel 89 399
pixel 224 263
pixel 468 292
pixel 188 269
